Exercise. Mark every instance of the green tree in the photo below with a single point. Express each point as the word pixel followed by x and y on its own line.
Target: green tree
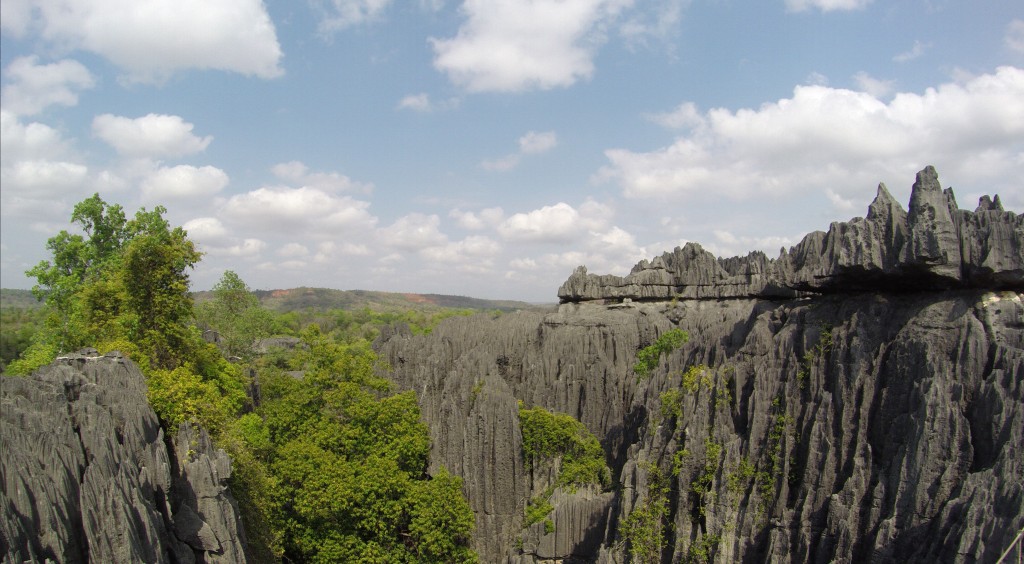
pixel 236 314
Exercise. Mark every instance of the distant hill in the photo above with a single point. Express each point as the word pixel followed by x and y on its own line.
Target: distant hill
pixel 19 299
pixel 325 299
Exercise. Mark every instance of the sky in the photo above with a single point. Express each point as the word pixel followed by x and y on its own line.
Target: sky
pixel 488 147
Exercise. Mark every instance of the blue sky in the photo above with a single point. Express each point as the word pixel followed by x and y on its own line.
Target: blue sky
pixel 488 147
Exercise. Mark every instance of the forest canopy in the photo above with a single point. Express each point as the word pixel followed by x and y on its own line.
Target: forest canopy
pixel 329 461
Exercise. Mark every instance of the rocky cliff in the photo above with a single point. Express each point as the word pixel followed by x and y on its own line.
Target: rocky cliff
pixel 88 475
pixel 859 398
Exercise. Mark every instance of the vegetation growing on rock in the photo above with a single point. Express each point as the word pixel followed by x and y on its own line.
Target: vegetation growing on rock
pixel 549 435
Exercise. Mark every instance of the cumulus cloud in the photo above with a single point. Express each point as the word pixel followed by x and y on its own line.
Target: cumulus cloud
pixel 685 115
pixel 37 166
pixel 874 86
pixel 28 141
pixel 559 223
pixel 144 37
pixel 834 137
pixel 473 250
pixel 297 173
pixel 488 217
pixel 183 181
pixel 152 135
pixel 32 87
pixel 510 46
pixel 305 210
pixel 414 232
pixel 826 5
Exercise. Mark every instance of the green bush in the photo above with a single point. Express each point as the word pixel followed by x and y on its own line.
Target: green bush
pixel 551 435
pixel 648 357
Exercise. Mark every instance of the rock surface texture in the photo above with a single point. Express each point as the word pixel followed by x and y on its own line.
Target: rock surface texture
pixel 862 398
pixel 934 246
pixel 88 475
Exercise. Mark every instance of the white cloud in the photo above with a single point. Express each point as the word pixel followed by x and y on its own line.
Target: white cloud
pixel 183 181
pixel 874 86
pixel 33 87
pixel 29 141
pixel 152 135
pixel 660 24
pixel 293 250
pixel 560 223
pixel 297 173
pixel 915 52
pixel 413 232
pixel 416 102
pixel 340 14
pixel 1014 38
pixel 307 211
pixel 533 142
pixel 816 79
pixel 37 167
pixel 206 229
pixel 144 37
pixel 42 179
pixel 726 244
pixel 488 217
pixel 826 5
pixel 16 17
pixel 475 249
pixel 839 138
pixel 511 46
pixel 685 115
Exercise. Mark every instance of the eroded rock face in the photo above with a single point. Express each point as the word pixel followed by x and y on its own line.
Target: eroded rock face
pixel 88 476
pixel 863 398
pixel 934 246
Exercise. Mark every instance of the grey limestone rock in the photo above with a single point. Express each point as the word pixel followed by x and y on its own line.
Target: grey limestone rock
pixel 863 399
pixel 933 246
pixel 87 475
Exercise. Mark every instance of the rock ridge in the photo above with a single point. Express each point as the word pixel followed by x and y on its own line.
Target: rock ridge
pixel 88 475
pixel 932 246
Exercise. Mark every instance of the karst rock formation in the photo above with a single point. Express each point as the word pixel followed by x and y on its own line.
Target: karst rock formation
pixel 87 474
pixel 860 398
pixel 863 397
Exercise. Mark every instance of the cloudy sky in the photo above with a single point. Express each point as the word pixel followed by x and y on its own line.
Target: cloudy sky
pixel 488 147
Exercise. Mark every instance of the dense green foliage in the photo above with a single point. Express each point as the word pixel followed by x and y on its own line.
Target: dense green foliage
pixel 648 357
pixel 643 530
pixel 327 467
pixel 18 325
pixel 549 435
pixel 340 465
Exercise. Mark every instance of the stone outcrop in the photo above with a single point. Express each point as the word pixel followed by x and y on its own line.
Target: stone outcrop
pixel 863 399
pixel 934 246
pixel 88 475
